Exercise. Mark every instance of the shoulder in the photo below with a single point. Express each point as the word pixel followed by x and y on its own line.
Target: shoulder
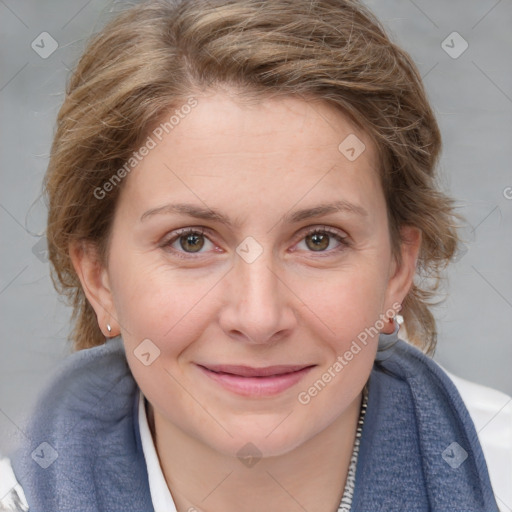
pixel 84 378
pixel 12 497
pixel 491 412
pixel 485 413
pixel 86 416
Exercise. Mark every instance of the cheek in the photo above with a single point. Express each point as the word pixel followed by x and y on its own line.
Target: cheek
pixel 345 315
pixel 172 316
pixel 345 301
pixel 155 301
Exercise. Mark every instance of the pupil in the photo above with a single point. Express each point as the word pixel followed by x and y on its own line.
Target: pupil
pixel 317 241
pixel 192 242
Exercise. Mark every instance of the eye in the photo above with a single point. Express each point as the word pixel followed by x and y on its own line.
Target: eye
pixel 323 240
pixel 189 240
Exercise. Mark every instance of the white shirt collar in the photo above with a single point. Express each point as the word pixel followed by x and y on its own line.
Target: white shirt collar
pixel 160 494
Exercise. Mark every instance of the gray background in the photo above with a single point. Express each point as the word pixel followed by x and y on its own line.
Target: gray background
pixel 472 97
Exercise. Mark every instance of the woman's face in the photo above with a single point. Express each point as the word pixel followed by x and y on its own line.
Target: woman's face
pixel 252 236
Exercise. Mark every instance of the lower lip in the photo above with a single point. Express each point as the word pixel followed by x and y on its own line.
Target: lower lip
pixel 257 386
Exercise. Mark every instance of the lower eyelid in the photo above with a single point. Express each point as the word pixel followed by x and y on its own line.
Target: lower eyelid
pixel 341 245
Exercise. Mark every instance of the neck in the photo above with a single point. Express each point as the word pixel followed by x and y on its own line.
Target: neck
pixel 310 477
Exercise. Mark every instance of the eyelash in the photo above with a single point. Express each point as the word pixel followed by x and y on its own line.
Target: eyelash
pixel 176 235
pixel 342 240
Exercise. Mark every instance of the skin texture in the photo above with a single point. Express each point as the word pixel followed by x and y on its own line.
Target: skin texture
pixel 256 165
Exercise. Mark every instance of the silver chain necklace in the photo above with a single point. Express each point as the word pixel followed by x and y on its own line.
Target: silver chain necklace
pixel 348 492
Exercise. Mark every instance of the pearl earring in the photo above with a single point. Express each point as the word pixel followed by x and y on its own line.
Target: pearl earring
pixel 109 329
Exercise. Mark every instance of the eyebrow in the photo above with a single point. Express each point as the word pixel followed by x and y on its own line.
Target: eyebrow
pixel 202 213
pixel 326 209
pixel 191 210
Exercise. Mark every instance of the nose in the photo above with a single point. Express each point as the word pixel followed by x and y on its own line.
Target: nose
pixel 259 309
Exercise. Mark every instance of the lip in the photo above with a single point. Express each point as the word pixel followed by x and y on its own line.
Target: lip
pixel 256 382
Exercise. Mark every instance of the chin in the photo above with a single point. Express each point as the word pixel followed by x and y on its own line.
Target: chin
pixel 263 440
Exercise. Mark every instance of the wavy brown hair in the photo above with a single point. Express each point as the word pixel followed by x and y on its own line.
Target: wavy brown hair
pixel 152 56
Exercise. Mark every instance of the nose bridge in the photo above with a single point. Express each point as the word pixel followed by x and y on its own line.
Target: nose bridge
pixel 260 307
pixel 252 262
pixel 259 282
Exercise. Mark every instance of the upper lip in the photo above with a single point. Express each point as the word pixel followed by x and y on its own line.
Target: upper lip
pixel 248 371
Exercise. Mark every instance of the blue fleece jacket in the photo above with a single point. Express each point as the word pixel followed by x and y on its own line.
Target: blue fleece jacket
pixel 419 450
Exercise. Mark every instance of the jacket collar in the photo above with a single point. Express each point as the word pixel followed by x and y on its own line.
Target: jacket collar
pixel 419 449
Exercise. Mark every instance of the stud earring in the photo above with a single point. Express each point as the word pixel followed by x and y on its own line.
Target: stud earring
pixel 109 329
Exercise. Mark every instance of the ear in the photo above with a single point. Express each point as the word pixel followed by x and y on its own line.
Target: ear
pixel 401 276
pixel 95 282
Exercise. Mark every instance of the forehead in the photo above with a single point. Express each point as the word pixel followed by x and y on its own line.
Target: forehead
pixel 281 123
pixel 283 147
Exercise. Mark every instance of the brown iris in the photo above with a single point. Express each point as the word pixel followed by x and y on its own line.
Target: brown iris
pixel 192 242
pixel 317 241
